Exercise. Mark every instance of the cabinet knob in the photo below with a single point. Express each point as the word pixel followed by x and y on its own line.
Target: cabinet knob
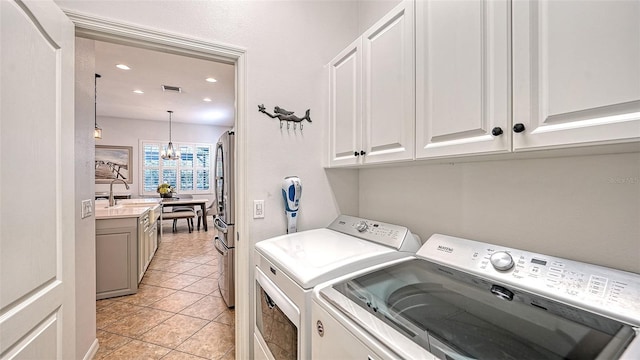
pixel 497 131
pixel 518 128
pixel 355 153
pixel 362 152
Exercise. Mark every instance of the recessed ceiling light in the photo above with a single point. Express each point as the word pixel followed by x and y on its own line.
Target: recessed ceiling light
pixel 206 99
pixel 138 91
pixel 123 67
pixel 211 80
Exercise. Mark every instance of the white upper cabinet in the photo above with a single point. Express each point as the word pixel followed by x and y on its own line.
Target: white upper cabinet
pixel 462 78
pixel 576 73
pixel 389 87
pixel 372 94
pixel 345 113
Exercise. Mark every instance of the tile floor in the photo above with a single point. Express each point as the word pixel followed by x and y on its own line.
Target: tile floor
pixel 178 312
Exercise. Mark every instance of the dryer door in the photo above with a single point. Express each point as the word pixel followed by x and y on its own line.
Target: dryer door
pixel 277 320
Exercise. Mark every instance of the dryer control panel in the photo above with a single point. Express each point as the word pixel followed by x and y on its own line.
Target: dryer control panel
pixel 395 236
pixel 596 288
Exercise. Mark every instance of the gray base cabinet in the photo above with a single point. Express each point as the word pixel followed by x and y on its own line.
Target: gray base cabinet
pixel 116 257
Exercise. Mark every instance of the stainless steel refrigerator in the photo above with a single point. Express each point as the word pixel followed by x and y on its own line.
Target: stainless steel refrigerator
pixel 224 221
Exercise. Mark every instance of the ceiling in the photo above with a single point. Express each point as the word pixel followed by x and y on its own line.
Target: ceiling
pixel 149 71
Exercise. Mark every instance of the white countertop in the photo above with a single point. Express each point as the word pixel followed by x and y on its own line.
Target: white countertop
pixel 126 208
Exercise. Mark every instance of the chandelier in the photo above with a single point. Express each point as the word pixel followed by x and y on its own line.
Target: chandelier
pixel 169 153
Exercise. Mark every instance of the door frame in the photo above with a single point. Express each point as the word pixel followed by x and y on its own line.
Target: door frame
pixel 132 35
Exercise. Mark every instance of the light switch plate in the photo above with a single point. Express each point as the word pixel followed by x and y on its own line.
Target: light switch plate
pixel 87 208
pixel 258 209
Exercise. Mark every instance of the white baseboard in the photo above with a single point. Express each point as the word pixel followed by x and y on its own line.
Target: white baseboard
pixel 92 350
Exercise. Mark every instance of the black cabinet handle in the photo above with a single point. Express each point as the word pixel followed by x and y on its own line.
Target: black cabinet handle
pixel 497 131
pixel 518 128
pixel 355 153
pixel 362 152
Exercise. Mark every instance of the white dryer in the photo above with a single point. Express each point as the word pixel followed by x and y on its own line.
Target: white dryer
pixel 289 266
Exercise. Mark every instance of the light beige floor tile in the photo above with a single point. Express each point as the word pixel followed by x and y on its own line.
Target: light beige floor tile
pixel 203 286
pixel 209 308
pixel 202 270
pixel 159 263
pixel 203 259
pixel 138 350
pixel 177 301
pixel 177 355
pixel 231 355
pixel 174 331
pixel 108 342
pixel 147 294
pixel 212 342
pixel 138 323
pixel 113 312
pixel 180 281
pixel 182 267
pixel 103 303
pixel 157 277
pixel 227 317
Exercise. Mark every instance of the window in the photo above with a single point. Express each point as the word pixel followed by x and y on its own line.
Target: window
pixel 188 175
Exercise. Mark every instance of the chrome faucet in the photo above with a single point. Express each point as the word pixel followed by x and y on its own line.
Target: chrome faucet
pixel 112 201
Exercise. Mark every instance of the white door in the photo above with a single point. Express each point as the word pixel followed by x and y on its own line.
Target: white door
pixel 462 78
pixel 388 84
pixel 37 318
pixel 576 73
pixel 345 111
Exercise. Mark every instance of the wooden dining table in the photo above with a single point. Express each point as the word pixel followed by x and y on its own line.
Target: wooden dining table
pixel 177 201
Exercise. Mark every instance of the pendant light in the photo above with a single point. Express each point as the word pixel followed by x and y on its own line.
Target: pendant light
pixel 170 153
pixel 97 130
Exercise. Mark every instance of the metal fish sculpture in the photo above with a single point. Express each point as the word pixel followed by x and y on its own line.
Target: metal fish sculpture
pixel 284 115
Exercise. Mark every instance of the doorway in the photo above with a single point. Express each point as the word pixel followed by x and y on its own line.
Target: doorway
pixel 103 30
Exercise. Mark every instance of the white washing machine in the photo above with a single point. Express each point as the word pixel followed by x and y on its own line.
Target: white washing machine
pixel 289 266
pixel 462 299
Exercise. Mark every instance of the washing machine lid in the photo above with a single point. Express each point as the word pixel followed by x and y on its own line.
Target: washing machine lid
pixel 457 300
pixel 315 256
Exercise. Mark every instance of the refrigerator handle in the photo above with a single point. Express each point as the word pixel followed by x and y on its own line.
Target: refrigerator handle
pixel 220 225
pixel 219 246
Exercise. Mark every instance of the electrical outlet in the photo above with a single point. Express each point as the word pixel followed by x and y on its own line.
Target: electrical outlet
pixel 258 209
pixel 87 208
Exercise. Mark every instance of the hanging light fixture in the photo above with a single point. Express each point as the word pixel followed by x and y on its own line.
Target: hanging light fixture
pixel 170 153
pixel 97 130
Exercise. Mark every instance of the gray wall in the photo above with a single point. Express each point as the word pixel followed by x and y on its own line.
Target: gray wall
pixel 84 173
pixel 585 208
pixel 129 132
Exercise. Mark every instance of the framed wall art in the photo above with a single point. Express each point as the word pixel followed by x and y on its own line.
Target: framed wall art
pixel 113 162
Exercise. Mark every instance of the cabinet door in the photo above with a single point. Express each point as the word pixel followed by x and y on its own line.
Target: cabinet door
pixel 576 69
pixel 116 252
pixel 153 243
pixel 142 247
pixel 389 87
pixel 462 78
pixel 345 111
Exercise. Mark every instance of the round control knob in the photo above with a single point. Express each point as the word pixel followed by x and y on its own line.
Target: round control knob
pixel 497 131
pixel 501 260
pixel 362 226
pixel 518 128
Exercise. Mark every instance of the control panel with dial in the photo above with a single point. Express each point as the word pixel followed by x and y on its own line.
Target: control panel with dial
pixel 376 231
pixel 592 286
